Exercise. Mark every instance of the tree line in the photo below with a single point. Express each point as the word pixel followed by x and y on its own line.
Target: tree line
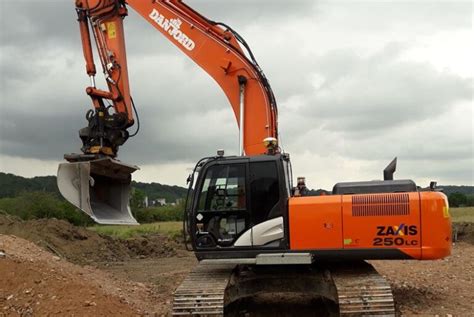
pixel 39 197
pixel 458 199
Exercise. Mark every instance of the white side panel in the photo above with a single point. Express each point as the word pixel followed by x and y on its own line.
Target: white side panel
pixel 262 233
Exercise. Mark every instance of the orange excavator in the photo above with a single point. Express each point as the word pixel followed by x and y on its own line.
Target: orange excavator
pixel 251 230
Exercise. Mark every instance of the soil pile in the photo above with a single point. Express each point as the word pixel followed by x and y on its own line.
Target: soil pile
pixel 38 283
pixel 83 246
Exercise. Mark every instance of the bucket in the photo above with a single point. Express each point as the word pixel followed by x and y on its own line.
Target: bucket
pixel 100 188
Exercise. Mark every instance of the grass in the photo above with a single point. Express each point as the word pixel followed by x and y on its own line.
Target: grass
pixel 172 229
pixel 462 214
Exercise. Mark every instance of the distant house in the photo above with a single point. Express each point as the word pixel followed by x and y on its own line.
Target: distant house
pixel 160 202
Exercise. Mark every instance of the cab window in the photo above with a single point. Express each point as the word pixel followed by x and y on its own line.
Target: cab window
pixel 264 189
pixel 223 189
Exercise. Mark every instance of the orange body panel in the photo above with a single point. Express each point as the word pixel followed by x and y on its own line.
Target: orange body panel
pixel 315 223
pixel 436 223
pixel 414 224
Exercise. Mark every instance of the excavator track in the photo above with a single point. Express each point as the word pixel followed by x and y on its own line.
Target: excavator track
pixel 362 291
pixel 202 292
pixel 357 287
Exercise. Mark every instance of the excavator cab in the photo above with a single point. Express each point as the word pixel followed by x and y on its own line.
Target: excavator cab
pixel 100 187
pixel 238 204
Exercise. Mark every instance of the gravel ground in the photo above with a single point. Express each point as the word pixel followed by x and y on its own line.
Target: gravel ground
pixel 443 287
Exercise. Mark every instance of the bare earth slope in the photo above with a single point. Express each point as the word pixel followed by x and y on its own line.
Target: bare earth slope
pixel 79 245
pixel 38 283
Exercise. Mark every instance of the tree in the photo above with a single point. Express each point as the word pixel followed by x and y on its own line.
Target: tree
pixel 37 205
pixel 137 199
pixel 470 200
pixel 457 199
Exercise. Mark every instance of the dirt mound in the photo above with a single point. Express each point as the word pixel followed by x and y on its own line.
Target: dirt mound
pixel 81 245
pixel 464 231
pixel 37 283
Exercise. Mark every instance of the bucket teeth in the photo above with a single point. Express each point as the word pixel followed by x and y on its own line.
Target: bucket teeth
pixel 100 188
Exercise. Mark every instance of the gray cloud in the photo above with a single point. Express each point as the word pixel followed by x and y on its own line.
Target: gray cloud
pixel 380 92
pixel 37 25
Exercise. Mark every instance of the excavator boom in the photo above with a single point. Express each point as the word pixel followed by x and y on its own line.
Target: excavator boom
pixel 215 47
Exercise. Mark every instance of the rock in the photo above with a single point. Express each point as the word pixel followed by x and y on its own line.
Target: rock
pixel 89 303
pixel 56 258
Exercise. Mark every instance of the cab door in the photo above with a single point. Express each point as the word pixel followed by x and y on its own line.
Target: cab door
pixel 267 206
pixel 221 215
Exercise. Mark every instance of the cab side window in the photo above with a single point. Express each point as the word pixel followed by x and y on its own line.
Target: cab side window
pixel 264 190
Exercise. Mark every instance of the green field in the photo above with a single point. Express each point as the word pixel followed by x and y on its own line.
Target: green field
pixel 462 214
pixel 172 229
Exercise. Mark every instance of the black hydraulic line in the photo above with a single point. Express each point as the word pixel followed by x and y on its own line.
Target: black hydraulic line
pixel 138 119
pixel 259 70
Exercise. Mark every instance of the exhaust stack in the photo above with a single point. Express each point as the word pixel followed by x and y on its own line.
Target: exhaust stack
pixel 389 170
pixel 99 187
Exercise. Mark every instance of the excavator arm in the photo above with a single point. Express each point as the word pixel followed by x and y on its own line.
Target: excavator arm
pixel 98 183
pixel 215 47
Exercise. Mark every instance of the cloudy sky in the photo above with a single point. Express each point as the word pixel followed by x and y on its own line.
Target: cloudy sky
pixel 357 83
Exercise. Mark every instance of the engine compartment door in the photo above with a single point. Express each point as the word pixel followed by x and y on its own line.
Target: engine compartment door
pixel 382 221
